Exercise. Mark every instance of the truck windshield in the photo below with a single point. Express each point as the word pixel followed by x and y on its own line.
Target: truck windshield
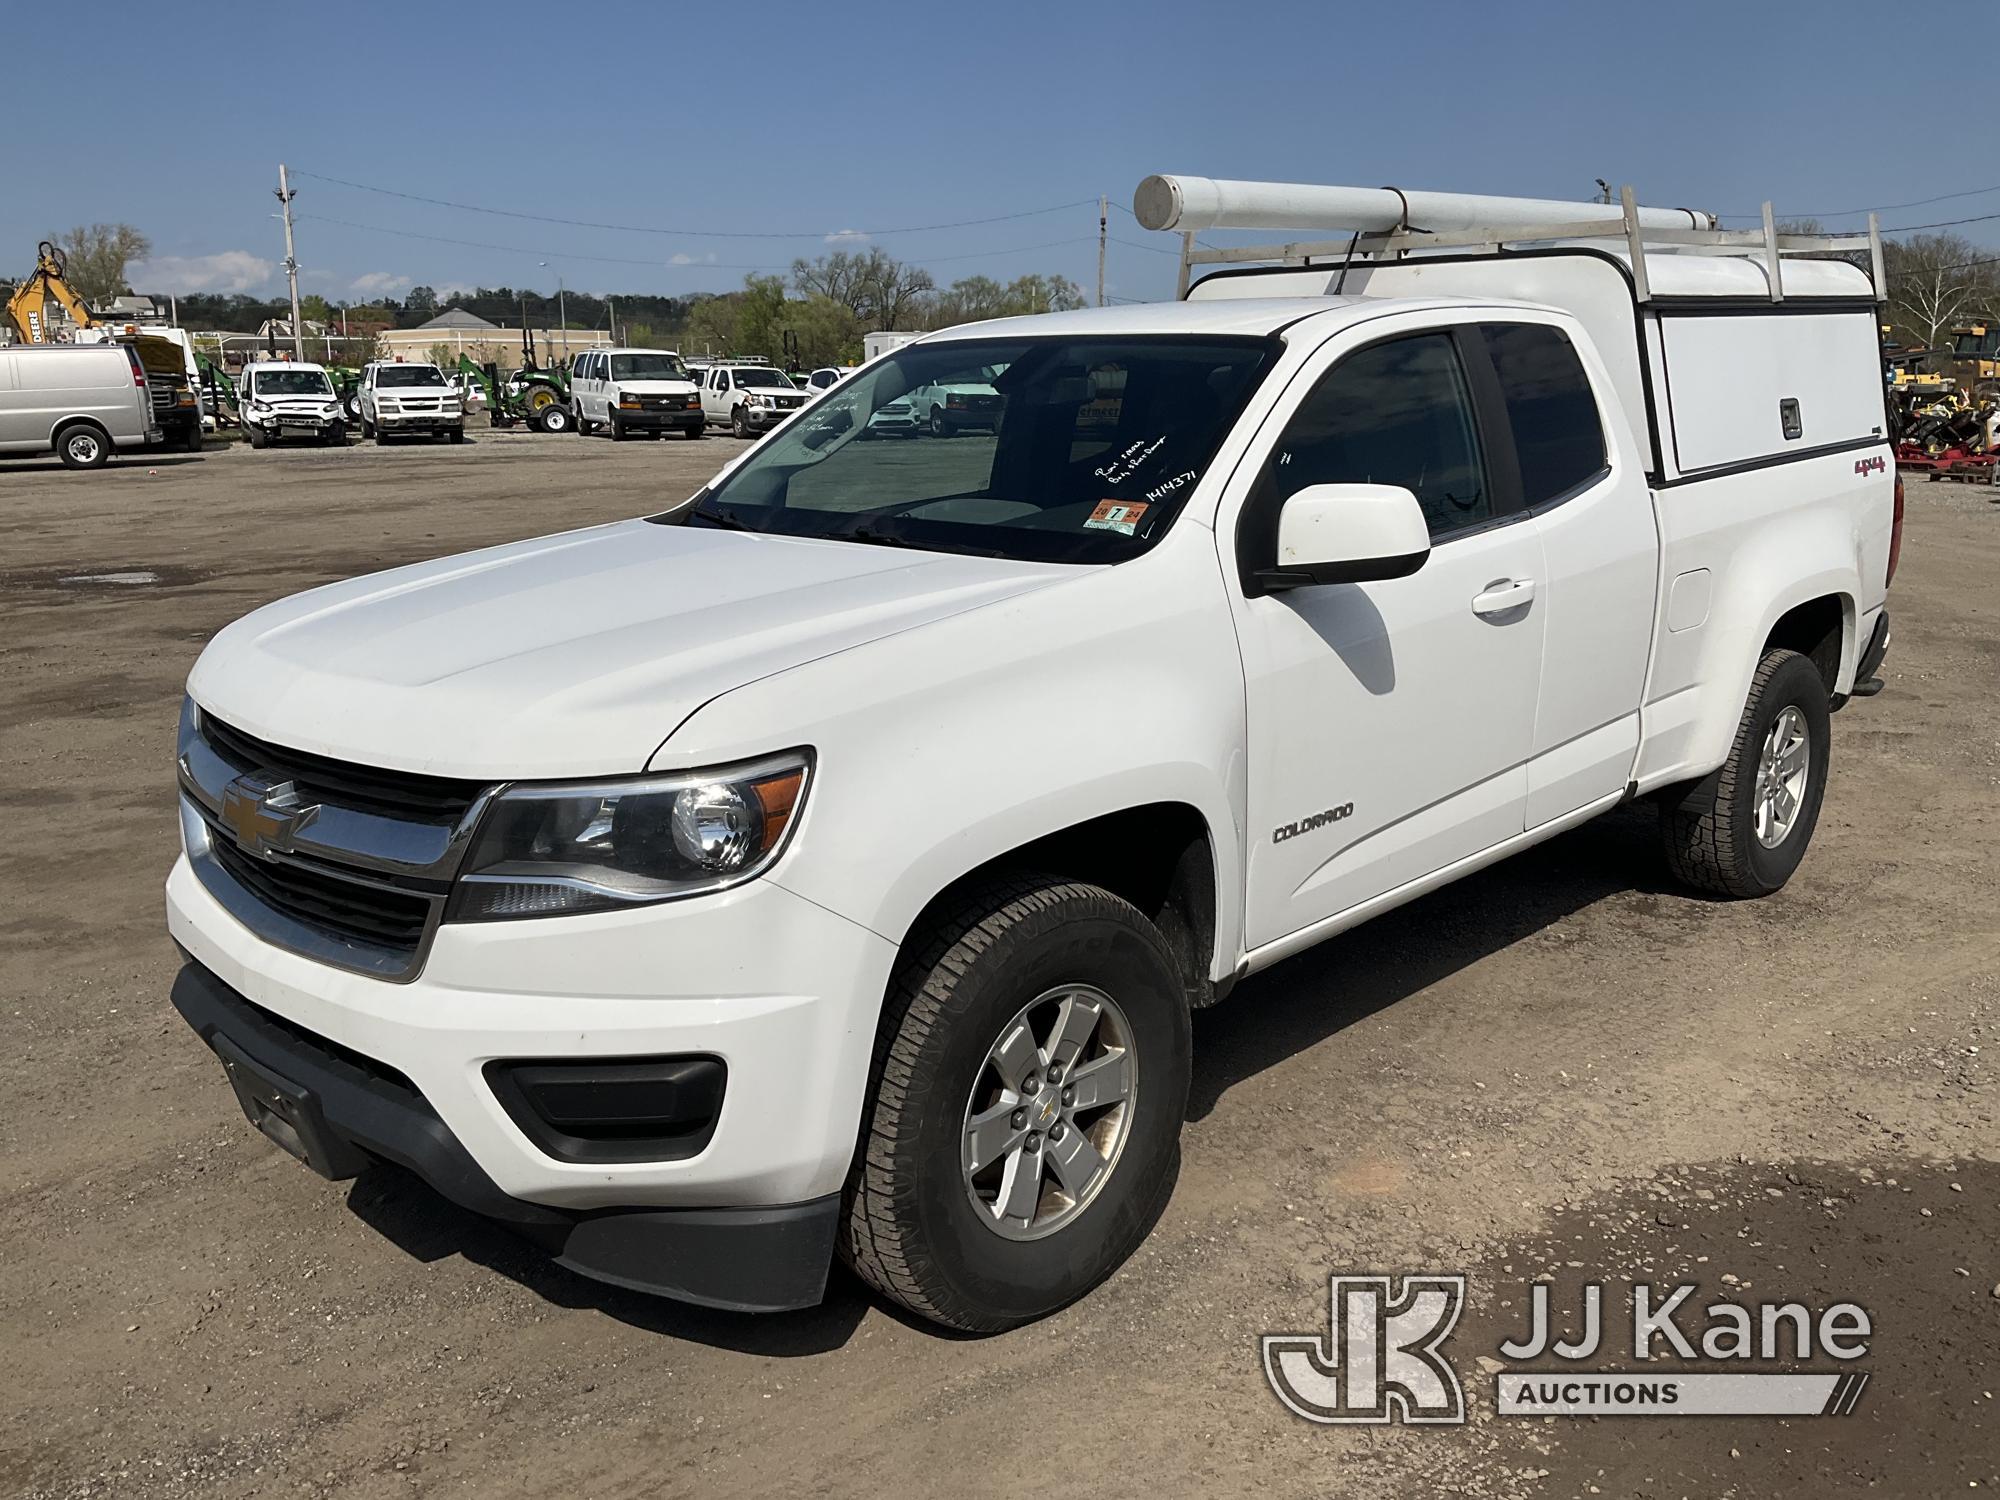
pixel 646 367
pixel 389 376
pixel 1097 445
pixel 293 383
pixel 759 376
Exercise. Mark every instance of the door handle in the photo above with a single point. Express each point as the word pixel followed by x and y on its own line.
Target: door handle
pixel 1501 597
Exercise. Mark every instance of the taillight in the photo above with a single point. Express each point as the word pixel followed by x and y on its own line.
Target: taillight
pixel 1895 535
pixel 138 370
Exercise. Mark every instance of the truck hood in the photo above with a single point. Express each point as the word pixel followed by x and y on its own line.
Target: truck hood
pixel 571 655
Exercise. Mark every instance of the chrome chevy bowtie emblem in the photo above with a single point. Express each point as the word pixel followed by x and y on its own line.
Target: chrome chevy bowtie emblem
pixel 265 815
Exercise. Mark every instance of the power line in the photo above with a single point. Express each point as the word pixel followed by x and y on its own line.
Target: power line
pixel 1879 208
pixel 713 234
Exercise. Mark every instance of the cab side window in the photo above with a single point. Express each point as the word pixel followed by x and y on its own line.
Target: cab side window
pixel 1558 432
pixel 1398 413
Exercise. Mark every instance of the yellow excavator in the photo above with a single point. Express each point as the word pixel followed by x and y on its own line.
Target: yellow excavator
pixel 175 404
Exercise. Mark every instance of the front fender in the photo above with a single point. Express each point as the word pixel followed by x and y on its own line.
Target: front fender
pixel 948 746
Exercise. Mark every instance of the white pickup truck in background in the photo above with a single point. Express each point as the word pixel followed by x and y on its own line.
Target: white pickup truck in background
pixel 831 864
pixel 409 400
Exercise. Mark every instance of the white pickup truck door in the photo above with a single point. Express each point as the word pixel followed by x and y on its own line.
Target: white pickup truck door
pixel 1583 479
pixel 1390 722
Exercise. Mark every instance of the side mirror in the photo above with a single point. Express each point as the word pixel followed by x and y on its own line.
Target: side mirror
pixel 1347 533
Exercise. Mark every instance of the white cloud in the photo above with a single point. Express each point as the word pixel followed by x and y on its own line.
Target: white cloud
pixel 379 284
pixel 690 260
pixel 847 237
pixel 226 271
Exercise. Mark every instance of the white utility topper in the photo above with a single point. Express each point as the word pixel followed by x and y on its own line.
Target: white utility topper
pixel 830 864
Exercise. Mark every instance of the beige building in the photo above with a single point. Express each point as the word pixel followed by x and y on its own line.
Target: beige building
pixel 455 332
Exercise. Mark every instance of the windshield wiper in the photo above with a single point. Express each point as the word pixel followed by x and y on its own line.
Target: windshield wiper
pixel 721 520
pixel 884 539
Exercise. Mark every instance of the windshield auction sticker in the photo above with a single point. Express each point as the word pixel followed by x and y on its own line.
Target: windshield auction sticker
pixel 1380 1359
pixel 1117 515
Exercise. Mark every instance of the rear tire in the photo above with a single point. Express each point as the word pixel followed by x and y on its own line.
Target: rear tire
pixel 1742 830
pixel 81 446
pixel 1016 958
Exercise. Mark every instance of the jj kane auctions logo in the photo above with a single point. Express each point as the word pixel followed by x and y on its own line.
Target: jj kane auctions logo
pixel 1380 1359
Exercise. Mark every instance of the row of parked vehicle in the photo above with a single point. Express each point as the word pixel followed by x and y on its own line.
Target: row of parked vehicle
pixel 85 403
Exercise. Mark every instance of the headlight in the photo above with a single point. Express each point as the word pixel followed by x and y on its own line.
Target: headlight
pixel 546 850
pixel 260 405
pixel 758 398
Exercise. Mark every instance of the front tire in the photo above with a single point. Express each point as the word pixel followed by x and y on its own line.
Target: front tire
pixel 257 437
pixel 700 429
pixel 939 427
pixel 555 418
pixel 1742 830
pixel 738 423
pixel 1023 1133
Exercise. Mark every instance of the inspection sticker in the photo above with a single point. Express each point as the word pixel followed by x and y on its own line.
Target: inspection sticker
pixel 1118 515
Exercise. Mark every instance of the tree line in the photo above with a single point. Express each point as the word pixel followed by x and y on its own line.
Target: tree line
pixel 817 313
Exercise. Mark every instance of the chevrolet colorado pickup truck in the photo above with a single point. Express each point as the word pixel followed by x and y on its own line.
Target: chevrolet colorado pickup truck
pixel 402 400
pixel 829 865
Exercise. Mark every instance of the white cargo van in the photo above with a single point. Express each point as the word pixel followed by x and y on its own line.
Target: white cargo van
pixel 831 864
pixel 626 391
pixel 80 401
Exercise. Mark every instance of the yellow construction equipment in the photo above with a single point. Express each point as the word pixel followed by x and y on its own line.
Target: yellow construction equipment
pixel 28 308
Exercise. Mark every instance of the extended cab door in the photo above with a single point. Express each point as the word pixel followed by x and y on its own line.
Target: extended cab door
pixel 1584 483
pixel 1390 722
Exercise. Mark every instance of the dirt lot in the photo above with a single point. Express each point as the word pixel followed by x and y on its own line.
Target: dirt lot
pixel 1564 1066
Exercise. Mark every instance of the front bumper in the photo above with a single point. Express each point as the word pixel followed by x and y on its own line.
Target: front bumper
pixel 783 992
pixel 649 418
pixel 342 1112
pixel 421 421
pixel 294 427
pixel 767 416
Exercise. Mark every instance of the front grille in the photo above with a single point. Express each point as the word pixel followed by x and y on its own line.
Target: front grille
pixel 393 794
pixel 164 397
pixel 365 913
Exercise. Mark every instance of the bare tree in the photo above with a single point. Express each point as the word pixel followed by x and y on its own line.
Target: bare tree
pixel 1936 281
pixel 96 256
pixel 878 289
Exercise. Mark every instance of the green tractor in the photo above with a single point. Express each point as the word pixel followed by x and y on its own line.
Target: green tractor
pixel 531 395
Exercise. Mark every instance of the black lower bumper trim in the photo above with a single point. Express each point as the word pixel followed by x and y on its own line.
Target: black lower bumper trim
pixel 1877 649
pixel 339 1111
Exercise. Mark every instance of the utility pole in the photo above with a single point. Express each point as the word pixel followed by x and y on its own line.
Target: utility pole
pixel 611 317
pixel 1103 208
pixel 285 196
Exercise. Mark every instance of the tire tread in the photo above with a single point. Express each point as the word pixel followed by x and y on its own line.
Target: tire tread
pixel 876 1240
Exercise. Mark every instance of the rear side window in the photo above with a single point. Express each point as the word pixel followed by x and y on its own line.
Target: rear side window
pixel 1558 433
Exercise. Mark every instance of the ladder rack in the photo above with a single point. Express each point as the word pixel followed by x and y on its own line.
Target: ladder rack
pixel 1379 244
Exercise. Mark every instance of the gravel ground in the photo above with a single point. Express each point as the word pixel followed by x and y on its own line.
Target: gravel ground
pixel 1562 1067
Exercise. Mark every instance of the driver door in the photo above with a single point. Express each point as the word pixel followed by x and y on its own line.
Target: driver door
pixel 1390 722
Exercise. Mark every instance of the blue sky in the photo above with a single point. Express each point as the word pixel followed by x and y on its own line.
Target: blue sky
pixel 809 119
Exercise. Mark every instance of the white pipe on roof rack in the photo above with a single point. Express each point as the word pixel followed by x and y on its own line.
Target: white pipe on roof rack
pixel 1190 204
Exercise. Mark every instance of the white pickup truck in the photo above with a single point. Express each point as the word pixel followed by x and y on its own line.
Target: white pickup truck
pixel 830 865
pixel 409 400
